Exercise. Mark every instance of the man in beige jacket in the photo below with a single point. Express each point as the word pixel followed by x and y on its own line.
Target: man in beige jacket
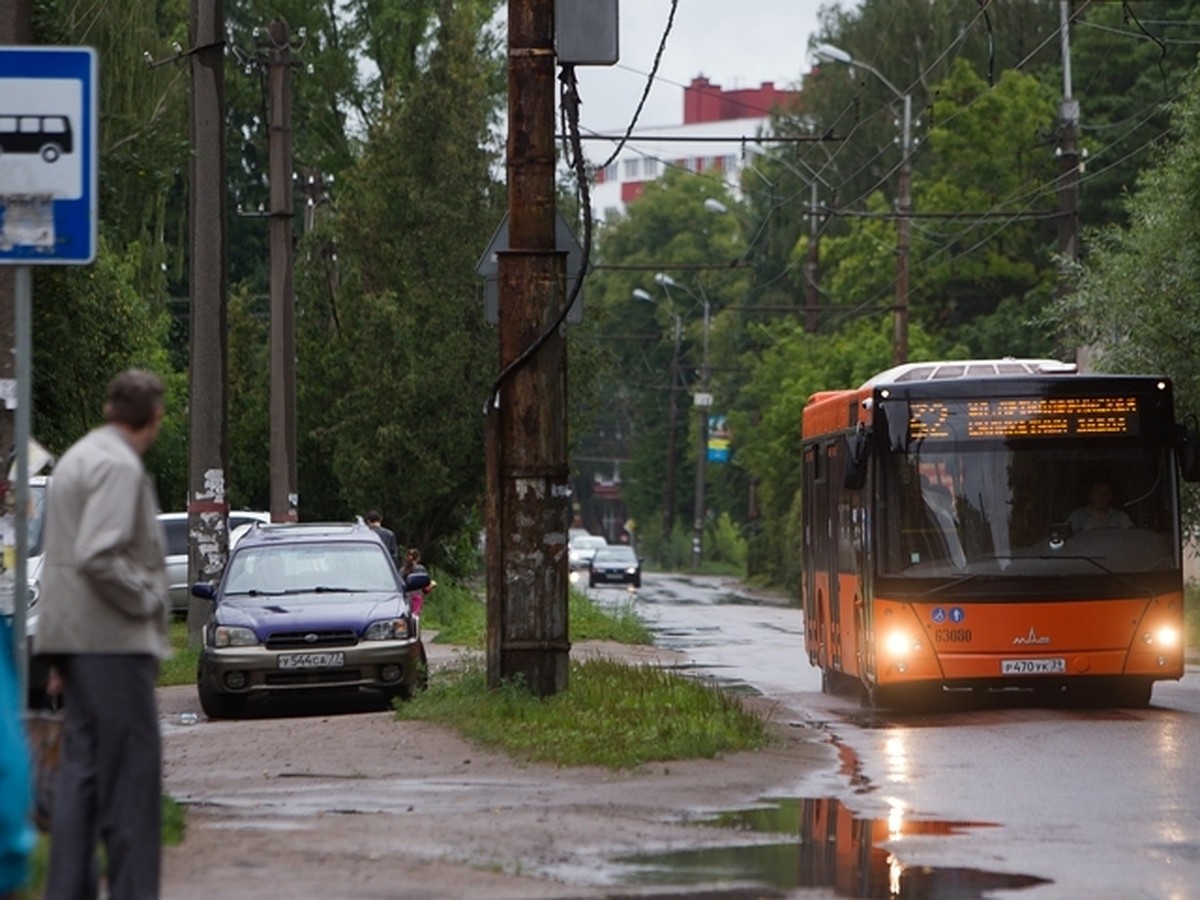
pixel 103 624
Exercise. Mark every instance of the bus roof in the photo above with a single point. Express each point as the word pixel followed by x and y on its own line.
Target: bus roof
pixel 836 410
pixel 971 368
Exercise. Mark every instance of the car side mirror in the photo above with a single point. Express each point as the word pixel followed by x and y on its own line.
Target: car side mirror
pixel 204 590
pixel 416 581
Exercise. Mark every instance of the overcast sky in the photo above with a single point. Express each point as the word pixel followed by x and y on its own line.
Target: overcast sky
pixel 734 43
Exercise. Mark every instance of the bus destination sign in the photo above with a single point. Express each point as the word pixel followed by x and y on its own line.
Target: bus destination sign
pixel 1023 417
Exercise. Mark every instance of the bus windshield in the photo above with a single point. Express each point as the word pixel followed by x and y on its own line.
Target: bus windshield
pixel 1007 508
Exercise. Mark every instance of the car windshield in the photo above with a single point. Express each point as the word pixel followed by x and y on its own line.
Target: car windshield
pixel 310 567
pixel 622 555
pixel 588 543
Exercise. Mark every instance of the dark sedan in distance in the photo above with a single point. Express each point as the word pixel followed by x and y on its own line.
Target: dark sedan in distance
pixel 615 564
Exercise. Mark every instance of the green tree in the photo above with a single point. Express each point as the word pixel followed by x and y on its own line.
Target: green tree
pixel 1129 62
pixel 1134 307
pixel 395 360
pixel 89 322
pixel 657 347
pixel 990 170
pixel 767 425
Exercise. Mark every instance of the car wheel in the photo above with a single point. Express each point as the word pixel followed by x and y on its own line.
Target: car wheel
pixel 419 682
pixel 637 582
pixel 220 706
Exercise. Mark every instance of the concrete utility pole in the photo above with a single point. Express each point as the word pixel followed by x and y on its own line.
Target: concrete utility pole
pixel 285 499
pixel 812 266
pixel 903 196
pixel 15 28
pixel 1068 163
pixel 208 379
pixel 529 509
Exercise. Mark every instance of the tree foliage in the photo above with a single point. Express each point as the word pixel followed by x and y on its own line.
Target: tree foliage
pixel 395 359
pixel 1134 308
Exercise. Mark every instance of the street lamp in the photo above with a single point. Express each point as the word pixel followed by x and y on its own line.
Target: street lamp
pixel 668 523
pixel 702 400
pixel 830 53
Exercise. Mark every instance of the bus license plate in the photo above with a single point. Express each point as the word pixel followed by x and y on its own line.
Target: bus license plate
pixel 1055 666
pixel 312 660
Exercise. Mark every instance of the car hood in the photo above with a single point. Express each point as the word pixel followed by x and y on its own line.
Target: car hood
pixel 309 612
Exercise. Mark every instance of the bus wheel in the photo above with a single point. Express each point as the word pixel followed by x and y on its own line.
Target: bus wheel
pixel 1132 694
pixel 903 697
pixel 51 153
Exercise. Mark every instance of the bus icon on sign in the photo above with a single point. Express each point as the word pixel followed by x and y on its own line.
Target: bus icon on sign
pixel 47 136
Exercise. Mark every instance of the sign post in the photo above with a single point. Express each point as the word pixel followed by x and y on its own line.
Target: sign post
pixel 48 216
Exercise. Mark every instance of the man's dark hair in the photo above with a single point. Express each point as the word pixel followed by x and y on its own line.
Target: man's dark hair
pixel 134 398
pixel 373 517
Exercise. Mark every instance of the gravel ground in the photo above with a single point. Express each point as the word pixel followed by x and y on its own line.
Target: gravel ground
pixel 344 801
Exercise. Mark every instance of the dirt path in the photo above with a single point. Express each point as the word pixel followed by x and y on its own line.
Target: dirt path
pixel 322 804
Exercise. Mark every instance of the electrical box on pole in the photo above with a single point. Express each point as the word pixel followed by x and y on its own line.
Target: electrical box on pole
pixel 585 32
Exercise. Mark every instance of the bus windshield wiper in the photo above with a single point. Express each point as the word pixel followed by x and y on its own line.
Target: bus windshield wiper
pixel 953 583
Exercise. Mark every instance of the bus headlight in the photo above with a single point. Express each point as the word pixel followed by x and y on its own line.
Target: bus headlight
pixel 1167 636
pixel 898 644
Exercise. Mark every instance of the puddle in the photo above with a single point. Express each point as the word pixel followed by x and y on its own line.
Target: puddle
pixel 828 847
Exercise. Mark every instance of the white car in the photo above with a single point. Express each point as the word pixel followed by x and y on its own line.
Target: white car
pixel 580 550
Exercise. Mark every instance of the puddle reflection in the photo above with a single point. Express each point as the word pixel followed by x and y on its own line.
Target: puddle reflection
pixel 830 848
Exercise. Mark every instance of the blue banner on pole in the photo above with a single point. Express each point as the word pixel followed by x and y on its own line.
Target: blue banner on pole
pixel 719 440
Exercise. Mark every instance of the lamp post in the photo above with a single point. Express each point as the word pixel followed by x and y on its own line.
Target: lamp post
pixel 702 400
pixel 668 522
pixel 831 53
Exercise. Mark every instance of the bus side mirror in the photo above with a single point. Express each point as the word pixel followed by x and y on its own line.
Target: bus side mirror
pixel 858 453
pixel 1189 452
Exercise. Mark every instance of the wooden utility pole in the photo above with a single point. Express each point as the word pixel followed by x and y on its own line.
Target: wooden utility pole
pixel 15 28
pixel 208 380
pixel 284 492
pixel 528 485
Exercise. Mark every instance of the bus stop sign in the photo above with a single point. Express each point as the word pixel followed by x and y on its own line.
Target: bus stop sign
pixel 48 158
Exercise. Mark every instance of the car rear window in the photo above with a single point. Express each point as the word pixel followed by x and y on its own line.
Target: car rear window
pixel 177 536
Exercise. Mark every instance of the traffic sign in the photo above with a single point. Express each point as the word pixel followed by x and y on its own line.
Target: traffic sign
pixel 488 267
pixel 48 161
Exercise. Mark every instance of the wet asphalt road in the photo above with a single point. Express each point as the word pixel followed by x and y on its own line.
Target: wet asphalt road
pixel 1092 803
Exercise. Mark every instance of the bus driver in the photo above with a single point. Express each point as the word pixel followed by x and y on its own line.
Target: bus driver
pixel 1099 511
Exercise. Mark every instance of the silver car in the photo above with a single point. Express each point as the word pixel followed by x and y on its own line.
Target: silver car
pixel 175 529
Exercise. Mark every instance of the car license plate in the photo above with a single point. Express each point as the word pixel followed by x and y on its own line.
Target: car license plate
pixel 330 660
pixel 1052 666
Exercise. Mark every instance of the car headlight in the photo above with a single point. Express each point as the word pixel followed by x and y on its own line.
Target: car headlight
pixel 387 630
pixel 632 570
pixel 233 636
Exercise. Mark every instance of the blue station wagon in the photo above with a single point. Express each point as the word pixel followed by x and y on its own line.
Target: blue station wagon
pixel 308 607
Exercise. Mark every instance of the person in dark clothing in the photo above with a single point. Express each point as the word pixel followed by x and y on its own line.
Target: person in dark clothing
pixel 375 520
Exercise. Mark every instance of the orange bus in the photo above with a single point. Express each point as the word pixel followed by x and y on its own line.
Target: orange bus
pixel 956 534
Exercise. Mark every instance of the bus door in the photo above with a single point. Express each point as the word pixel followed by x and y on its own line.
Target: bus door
pixel 820 575
pixel 836 519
